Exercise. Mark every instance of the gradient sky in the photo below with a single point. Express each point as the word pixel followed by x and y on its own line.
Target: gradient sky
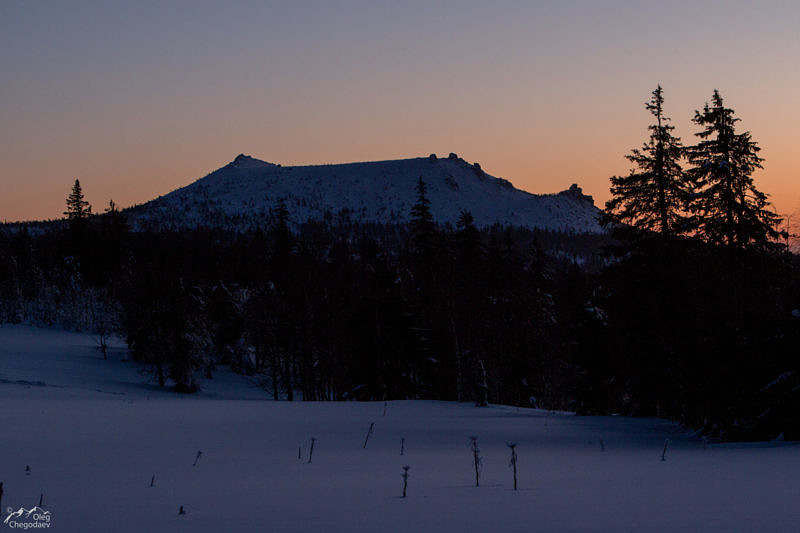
pixel 139 98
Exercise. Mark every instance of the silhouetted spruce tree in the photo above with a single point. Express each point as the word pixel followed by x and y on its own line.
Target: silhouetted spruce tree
pixel 465 300
pixel 652 197
pixel 427 288
pixel 78 209
pixel 79 247
pixel 114 221
pixel 282 238
pixel 108 249
pixel 726 207
pixel 644 283
pixel 423 228
pixel 287 299
pixel 468 243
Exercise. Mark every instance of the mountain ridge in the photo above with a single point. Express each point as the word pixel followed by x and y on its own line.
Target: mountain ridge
pixel 241 194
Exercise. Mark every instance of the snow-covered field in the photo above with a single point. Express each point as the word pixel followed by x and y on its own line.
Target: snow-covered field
pixel 94 433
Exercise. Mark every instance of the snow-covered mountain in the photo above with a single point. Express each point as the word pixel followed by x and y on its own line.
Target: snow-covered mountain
pixel 241 194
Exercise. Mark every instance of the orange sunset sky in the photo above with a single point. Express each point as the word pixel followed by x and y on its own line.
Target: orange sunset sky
pixel 139 98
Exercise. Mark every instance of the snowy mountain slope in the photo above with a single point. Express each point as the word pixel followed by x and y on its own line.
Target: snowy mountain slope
pixel 242 193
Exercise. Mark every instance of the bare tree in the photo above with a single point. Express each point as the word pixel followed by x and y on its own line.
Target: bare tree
pixel 513 463
pixel 477 460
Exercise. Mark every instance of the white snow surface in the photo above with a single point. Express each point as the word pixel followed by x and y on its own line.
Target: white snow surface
pixel 95 431
pixel 240 195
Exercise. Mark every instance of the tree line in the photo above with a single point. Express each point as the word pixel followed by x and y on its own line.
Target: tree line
pixel 702 295
pixel 687 309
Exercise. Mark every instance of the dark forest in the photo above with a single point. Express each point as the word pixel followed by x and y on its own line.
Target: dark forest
pixel 686 309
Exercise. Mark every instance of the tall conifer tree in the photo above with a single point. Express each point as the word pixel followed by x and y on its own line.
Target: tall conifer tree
pixel 78 209
pixel 468 243
pixel 423 228
pixel 652 196
pixel 727 208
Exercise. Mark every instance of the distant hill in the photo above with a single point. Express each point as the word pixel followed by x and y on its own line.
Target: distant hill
pixel 241 194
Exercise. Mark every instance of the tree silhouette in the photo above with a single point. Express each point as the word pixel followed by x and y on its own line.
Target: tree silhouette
pixel 78 209
pixel 653 195
pixel 422 225
pixel 726 206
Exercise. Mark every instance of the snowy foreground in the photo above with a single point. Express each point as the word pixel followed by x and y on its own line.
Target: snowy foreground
pixel 94 433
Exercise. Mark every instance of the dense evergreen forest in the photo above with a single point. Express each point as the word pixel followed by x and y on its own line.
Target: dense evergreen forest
pixel 687 308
